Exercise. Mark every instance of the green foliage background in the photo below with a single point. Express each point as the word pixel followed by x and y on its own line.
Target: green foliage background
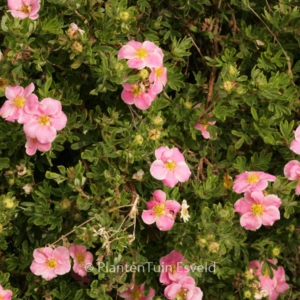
pixel 240 59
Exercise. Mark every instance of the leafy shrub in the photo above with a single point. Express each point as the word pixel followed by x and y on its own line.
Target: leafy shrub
pixel 230 105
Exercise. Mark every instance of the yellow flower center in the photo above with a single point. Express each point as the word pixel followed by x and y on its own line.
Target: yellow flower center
pixel 19 102
pixel 136 294
pixel 44 120
pixel 141 53
pixel 181 295
pixel 136 91
pixel 159 209
pixel 26 9
pixel 252 178
pixel 204 123
pixel 51 263
pixel 257 209
pixel 80 258
pixel 1 297
pixel 159 72
pixel 170 165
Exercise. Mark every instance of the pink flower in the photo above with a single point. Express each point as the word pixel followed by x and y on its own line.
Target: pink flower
pixel 137 293
pixel 170 166
pixel 250 181
pixel 257 209
pixel 33 144
pixel 134 94
pixel 21 104
pixel 81 257
pixel 158 77
pixel 276 285
pixel 5 294
pixel 295 145
pixel 49 263
pixel 292 172
pixel 172 270
pixel 48 118
pixel 203 124
pixel 161 211
pixel 184 289
pixel 141 55
pixel 24 8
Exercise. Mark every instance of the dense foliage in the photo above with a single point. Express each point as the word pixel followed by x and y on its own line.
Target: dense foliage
pixel 239 60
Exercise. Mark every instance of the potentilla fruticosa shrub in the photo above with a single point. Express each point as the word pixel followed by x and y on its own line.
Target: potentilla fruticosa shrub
pixel 149 149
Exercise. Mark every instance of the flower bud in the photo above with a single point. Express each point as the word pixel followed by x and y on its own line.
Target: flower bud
pixel 213 247
pixel 144 74
pixel 154 134
pixel 65 204
pixel 76 47
pixel 139 139
pixel 247 294
pixel 8 203
pixel 124 16
pixel 158 121
pixel 188 105
pixel 276 251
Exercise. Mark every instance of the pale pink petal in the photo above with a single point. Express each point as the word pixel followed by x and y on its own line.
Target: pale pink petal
pixel 43 147
pixel 159 152
pixel 257 196
pixel 158 170
pixel 60 122
pixel 12 91
pixel 167 155
pixel 259 186
pixel 49 274
pixel 45 134
pixel 250 221
pixel 39 256
pixel 173 205
pixel 153 60
pixel 50 107
pixel 172 290
pixel 272 200
pixel 182 172
pixel 270 215
pixel 151 47
pixel 28 90
pixel 37 268
pixel 31 128
pixel 136 45
pixel 297 190
pixel 170 179
pixel 297 134
pixel 177 156
pixel 240 186
pixel 148 216
pixel 14 4
pixel 64 268
pixel 242 206
pixel 31 146
pixel 266 176
pixel 159 196
pixel 150 204
pixel 143 101
pixel 197 294
pixel 126 52
pixel 61 254
pixel 128 97
pixel 295 146
pixel 164 223
pixel 31 104
pixel 136 63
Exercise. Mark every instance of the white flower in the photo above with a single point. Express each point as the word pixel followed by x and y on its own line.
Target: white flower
pixel 76 28
pixel 27 188
pixel 264 293
pixel 184 214
pixel 138 175
pixel 257 295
